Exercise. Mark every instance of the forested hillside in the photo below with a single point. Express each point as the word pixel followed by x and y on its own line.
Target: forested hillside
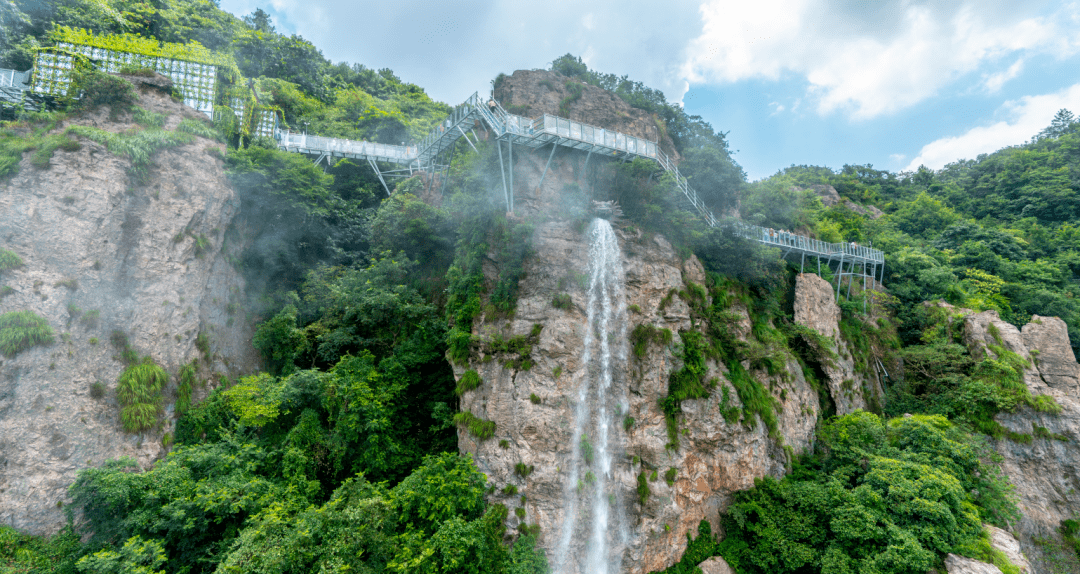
pixel 342 455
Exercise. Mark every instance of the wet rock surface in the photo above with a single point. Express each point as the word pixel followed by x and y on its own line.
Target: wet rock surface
pixel 534 409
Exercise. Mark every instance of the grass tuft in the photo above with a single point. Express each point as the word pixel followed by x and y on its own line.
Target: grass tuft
pixel 20 330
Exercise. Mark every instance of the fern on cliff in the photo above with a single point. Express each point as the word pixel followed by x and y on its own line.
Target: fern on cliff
pixel 139 393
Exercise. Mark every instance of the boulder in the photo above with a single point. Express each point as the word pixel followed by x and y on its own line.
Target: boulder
pixel 715 565
pixel 962 565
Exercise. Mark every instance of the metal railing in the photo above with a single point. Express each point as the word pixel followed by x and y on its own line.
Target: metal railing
pixel 337 146
pixel 785 239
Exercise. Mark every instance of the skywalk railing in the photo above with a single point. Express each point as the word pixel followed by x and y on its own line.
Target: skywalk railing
pixel 852 252
pixel 344 147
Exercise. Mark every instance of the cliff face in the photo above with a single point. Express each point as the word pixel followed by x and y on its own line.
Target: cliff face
pixel 1045 472
pixel 101 254
pixel 849 388
pixel 533 409
pixel 715 458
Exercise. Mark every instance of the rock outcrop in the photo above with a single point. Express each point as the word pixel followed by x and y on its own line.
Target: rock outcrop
pixel 815 307
pixel 1008 545
pixel 1046 471
pixel 715 565
pixel 102 254
pixel 955 564
pixel 532 93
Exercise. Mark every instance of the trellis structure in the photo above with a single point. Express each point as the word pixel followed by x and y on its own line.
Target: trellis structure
pixel 207 81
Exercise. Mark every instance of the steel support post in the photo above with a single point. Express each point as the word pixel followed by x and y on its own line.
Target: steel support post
pixel 839 275
pixel 467 139
pixel 506 195
pixel 543 175
pixel 510 167
pixel 375 167
pixel 802 264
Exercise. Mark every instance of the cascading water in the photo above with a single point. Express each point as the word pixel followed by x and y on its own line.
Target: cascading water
pixel 592 502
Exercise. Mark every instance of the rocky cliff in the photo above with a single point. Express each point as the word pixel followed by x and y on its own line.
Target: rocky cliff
pixel 532 402
pixel 102 254
pixel 1046 468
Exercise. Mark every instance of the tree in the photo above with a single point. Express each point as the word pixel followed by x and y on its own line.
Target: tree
pixel 1062 123
pixel 260 22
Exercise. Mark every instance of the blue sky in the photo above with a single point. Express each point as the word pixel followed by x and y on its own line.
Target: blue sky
pixel 896 84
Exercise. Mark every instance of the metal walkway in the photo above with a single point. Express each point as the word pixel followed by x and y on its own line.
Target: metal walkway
pixel 425 155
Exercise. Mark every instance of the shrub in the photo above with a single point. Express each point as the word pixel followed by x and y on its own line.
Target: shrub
pixel 586 449
pixel 643 335
pixel 669 476
pixel 90 318
pixel 97 390
pixel 141 383
pixel 520 513
pixel 69 282
pixel 562 301
pixel 510 490
pixel 642 488
pixel 9 260
pixel 202 343
pixel 20 330
pixel 99 88
pixel 504 443
pixel 183 390
pixel 523 470
pixel 628 423
pixel 119 341
pixel 469 381
pixel 534 399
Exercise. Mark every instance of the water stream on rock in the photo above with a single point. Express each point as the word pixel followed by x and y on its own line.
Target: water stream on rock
pixel 593 509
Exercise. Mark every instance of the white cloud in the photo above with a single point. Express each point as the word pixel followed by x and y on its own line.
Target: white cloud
pixel 994 82
pixel 870 58
pixel 1025 118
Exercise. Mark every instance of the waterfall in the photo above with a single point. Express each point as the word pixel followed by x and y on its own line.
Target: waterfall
pixel 593 506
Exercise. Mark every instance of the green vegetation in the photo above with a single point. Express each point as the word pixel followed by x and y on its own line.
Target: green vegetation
pixel 478 427
pixel 534 398
pixel 20 330
pixel 523 470
pixel 9 260
pixel 186 378
pixel 643 335
pixel 562 301
pixel 139 393
pixel 864 502
pixel 137 146
pixel 469 381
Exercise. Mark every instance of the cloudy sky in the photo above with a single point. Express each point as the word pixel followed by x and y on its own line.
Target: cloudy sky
pixel 896 84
